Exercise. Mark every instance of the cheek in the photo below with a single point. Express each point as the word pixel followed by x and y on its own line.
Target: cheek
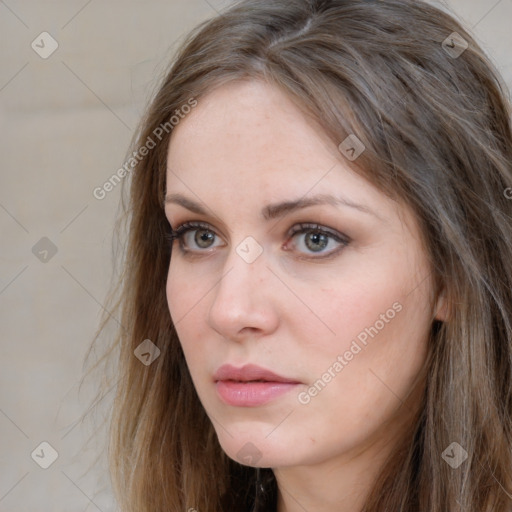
pixel 382 335
pixel 180 298
pixel 348 405
pixel 186 300
pixel 171 290
pixel 380 325
pixel 183 290
pixel 350 307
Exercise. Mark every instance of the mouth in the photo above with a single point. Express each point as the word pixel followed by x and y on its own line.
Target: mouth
pixel 249 373
pixel 250 385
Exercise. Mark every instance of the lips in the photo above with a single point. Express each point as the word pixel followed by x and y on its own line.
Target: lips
pixel 249 373
pixel 250 385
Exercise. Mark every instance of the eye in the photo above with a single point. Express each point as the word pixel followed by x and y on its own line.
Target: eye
pixel 203 236
pixel 316 238
pixel 196 237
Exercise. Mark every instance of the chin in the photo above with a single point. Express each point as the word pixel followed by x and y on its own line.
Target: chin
pixel 254 449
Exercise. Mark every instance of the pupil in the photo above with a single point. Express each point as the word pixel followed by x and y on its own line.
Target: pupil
pixel 204 237
pixel 317 238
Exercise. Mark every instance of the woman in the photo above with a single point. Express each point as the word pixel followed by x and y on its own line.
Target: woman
pixel 317 296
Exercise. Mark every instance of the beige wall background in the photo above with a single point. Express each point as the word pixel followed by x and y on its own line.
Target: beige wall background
pixel 66 119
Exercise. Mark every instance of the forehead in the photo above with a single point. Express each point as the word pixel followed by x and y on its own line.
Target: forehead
pixel 250 117
pixel 246 143
pixel 245 133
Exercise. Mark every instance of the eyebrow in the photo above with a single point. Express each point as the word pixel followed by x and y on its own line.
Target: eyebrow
pixel 273 211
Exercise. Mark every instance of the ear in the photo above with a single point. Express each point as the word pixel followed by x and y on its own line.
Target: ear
pixel 441 307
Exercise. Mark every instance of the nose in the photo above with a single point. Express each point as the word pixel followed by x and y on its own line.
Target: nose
pixel 244 303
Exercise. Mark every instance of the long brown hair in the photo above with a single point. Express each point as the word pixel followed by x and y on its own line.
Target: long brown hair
pixel 434 116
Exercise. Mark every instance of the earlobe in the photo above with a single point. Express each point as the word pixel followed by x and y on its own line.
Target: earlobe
pixel 441 307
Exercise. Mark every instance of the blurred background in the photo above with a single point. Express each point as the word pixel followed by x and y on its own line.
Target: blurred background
pixel 74 81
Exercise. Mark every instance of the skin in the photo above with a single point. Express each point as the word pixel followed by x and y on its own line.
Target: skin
pixel 244 146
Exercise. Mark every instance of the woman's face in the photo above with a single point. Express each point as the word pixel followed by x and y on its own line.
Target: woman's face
pixel 338 308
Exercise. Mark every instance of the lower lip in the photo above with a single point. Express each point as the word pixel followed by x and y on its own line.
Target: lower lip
pixel 250 394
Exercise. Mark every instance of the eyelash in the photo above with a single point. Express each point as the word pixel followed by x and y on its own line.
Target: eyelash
pixel 179 232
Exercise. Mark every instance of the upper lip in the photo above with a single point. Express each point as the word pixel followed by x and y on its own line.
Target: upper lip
pixel 249 372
